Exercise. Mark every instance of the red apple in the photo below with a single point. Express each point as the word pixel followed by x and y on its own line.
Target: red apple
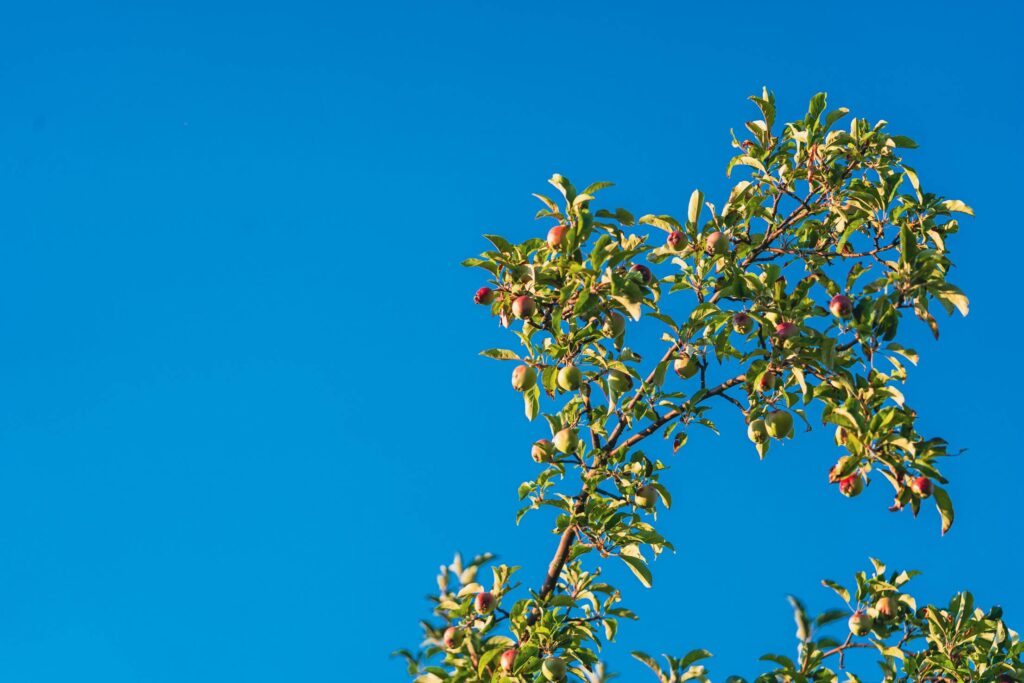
pixel 556 237
pixel 786 331
pixel 542 451
pixel 645 272
pixel 524 306
pixel 452 637
pixel 508 659
pixel 922 486
pixel 841 306
pixel 484 603
pixel 851 486
pixel 742 323
pixel 676 240
pixel 484 296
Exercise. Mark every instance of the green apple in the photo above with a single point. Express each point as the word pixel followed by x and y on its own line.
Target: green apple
pixel 779 424
pixel 860 623
pixel 523 378
pixel 619 382
pixel 685 366
pixel 553 668
pixel 614 324
pixel 646 497
pixel 452 637
pixel 851 486
pixel 569 378
pixel 717 243
pixel 566 440
pixel 757 431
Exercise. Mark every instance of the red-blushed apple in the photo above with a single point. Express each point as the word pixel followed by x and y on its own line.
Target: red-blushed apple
pixel 524 306
pixel 452 637
pixel 508 659
pixel 566 440
pixel 685 366
pixel 543 451
pixel 614 324
pixel 922 486
pixel 779 423
pixel 645 273
pixel 766 382
pixel 786 331
pixel 676 240
pixel 523 378
pixel 757 431
pixel 569 378
pixel 484 602
pixel 860 623
pixel 851 486
pixel 556 237
pixel 841 306
pixel 887 607
pixel 717 243
pixel 742 323
pixel 484 296
pixel 553 668
pixel 646 497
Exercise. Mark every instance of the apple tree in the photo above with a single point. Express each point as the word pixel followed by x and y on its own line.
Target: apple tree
pixel 783 301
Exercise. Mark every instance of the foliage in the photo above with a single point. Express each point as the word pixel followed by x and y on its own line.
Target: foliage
pixel 793 294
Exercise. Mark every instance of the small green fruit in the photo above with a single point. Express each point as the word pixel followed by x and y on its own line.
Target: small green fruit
pixel 619 382
pixel 717 244
pixel 685 366
pixel 860 623
pixel 553 668
pixel 757 431
pixel 646 497
pixel 569 378
pixel 779 423
pixel 523 378
pixel 614 324
pixel 566 440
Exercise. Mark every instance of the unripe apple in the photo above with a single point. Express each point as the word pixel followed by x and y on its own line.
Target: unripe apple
pixel 452 637
pixel 637 468
pixel 841 306
pixel 523 378
pixel 553 668
pixel 619 381
pixel 524 306
pixel 484 603
pixel 786 331
pixel 851 486
pixel 717 243
pixel 566 440
pixel 887 607
pixel 542 451
pixel 569 378
pixel 742 323
pixel 508 659
pixel 646 497
pixel 860 623
pixel 757 431
pixel 645 273
pixel 614 324
pixel 922 486
pixel 676 240
pixel 556 237
pixel 484 295
pixel 779 423
pixel 685 366
pixel 766 382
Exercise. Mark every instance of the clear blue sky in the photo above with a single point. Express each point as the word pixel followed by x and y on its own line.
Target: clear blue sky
pixel 242 418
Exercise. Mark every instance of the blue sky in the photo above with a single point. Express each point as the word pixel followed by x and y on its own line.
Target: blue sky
pixel 242 418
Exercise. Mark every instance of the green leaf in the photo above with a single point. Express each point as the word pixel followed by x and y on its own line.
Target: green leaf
pixel 958 206
pixel 500 243
pixel 696 202
pixel 500 354
pixel 945 507
pixel 639 567
pixel 531 402
pixel 840 591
